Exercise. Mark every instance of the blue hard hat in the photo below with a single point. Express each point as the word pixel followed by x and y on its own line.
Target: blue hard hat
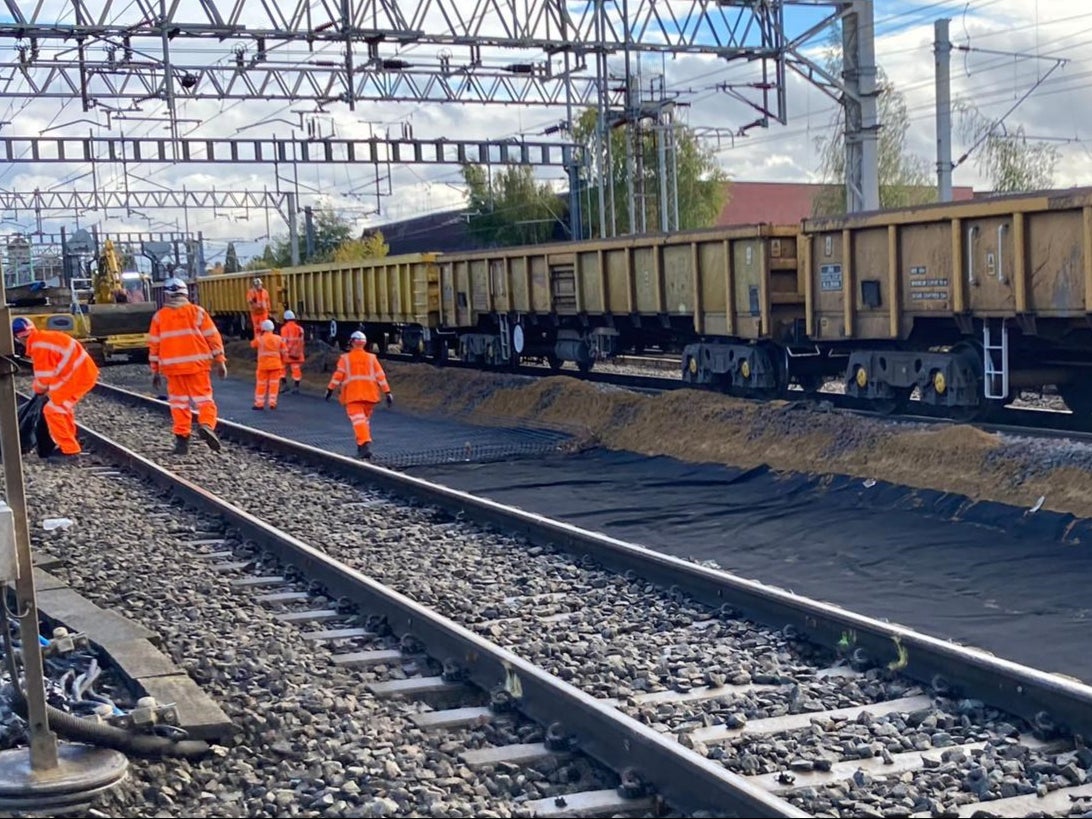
pixel 21 325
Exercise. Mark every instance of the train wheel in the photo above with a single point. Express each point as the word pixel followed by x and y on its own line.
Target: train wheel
pixel 554 362
pixel 585 366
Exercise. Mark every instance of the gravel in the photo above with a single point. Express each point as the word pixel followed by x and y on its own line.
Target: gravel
pixel 311 741
pixel 611 636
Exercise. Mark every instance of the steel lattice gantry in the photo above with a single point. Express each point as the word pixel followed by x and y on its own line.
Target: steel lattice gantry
pixel 483 51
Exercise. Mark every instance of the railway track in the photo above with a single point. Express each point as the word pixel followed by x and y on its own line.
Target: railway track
pixel 672 685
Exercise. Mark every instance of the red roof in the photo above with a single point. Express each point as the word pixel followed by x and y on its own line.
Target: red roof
pixel 781 203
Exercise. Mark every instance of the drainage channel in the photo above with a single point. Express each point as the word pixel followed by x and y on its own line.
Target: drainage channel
pixel 803 731
pixel 655 772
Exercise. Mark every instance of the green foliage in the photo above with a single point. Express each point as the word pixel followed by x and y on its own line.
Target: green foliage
pixel 904 177
pixel 508 207
pixel 702 184
pixel 231 259
pixel 331 231
pixel 372 246
pixel 1009 160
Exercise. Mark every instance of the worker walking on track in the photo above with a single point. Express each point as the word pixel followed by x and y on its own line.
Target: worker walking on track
pixel 63 371
pixel 292 334
pixel 258 299
pixel 183 343
pixel 361 378
pixel 272 355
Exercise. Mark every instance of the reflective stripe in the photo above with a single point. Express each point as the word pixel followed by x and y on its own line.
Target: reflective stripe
pixel 185 359
pixel 186 331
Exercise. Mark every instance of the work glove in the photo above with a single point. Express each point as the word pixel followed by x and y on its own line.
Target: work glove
pixel 222 365
pixel 390 399
pixel 328 394
pixel 157 381
pixel 40 392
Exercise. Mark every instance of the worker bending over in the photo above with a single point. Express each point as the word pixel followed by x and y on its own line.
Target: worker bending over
pixel 258 299
pixel 292 334
pixel 361 378
pixel 182 345
pixel 63 371
pixel 272 354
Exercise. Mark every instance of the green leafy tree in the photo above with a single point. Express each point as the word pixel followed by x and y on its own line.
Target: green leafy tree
pixel 702 184
pixel 904 177
pixel 1011 161
pixel 508 207
pixel 331 232
pixel 231 259
pixel 371 246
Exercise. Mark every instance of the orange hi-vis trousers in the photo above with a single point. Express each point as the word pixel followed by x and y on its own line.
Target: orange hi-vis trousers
pixel 360 414
pixel 60 417
pixel 297 373
pixel 267 381
pixel 195 388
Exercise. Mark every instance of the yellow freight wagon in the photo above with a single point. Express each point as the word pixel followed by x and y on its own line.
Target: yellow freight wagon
pixel 583 301
pixel 966 302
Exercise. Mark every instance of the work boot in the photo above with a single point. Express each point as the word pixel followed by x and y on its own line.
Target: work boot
pixel 209 436
pixel 258 409
pixel 181 444
pixel 272 406
pixel 364 451
pixel 296 387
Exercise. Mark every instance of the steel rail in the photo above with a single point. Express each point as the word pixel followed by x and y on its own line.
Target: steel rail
pixel 685 780
pixel 1042 698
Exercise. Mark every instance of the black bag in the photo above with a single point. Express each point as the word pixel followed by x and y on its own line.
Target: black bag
pixel 33 431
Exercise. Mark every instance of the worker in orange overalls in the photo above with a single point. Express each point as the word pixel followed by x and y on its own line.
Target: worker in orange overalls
pixel 183 343
pixel 258 299
pixel 361 378
pixel 292 334
pixel 62 370
pixel 271 360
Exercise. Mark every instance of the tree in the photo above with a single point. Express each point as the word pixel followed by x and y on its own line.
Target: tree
pixel 508 207
pixel 231 259
pixel 702 184
pixel 371 246
pixel 331 231
pixel 904 177
pixel 1008 159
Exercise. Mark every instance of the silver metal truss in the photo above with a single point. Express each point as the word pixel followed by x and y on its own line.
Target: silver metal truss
pixel 101 81
pixel 722 28
pixel 84 201
pixel 372 151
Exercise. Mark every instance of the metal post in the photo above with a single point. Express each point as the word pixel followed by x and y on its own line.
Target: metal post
pixel 862 125
pixel 942 61
pixel 661 149
pixel 309 228
pixel 168 77
pixel 43 742
pixel 293 229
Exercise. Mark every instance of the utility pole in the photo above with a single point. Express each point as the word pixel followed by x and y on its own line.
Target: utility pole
pixel 862 123
pixel 942 51
pixel 309 228
pixel 293 229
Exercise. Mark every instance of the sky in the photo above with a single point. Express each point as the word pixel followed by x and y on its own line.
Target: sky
pixel 1004 47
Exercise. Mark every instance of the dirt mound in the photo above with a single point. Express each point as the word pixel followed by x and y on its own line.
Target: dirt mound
pixel 700 426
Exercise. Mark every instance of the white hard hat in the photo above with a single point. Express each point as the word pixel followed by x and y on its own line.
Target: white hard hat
pixel 257 281
pixel 358 338
pixel 176 287
pixel 289 315
pixel 266 326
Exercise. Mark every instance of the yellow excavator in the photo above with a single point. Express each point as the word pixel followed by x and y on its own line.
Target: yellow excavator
pixel 109 310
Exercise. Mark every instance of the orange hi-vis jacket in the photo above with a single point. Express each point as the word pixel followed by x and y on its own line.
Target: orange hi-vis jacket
pixel 292 334
pixel 272 351
pixel 258 299
pixel 61 364
pixel 183 340
pixel 361 378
